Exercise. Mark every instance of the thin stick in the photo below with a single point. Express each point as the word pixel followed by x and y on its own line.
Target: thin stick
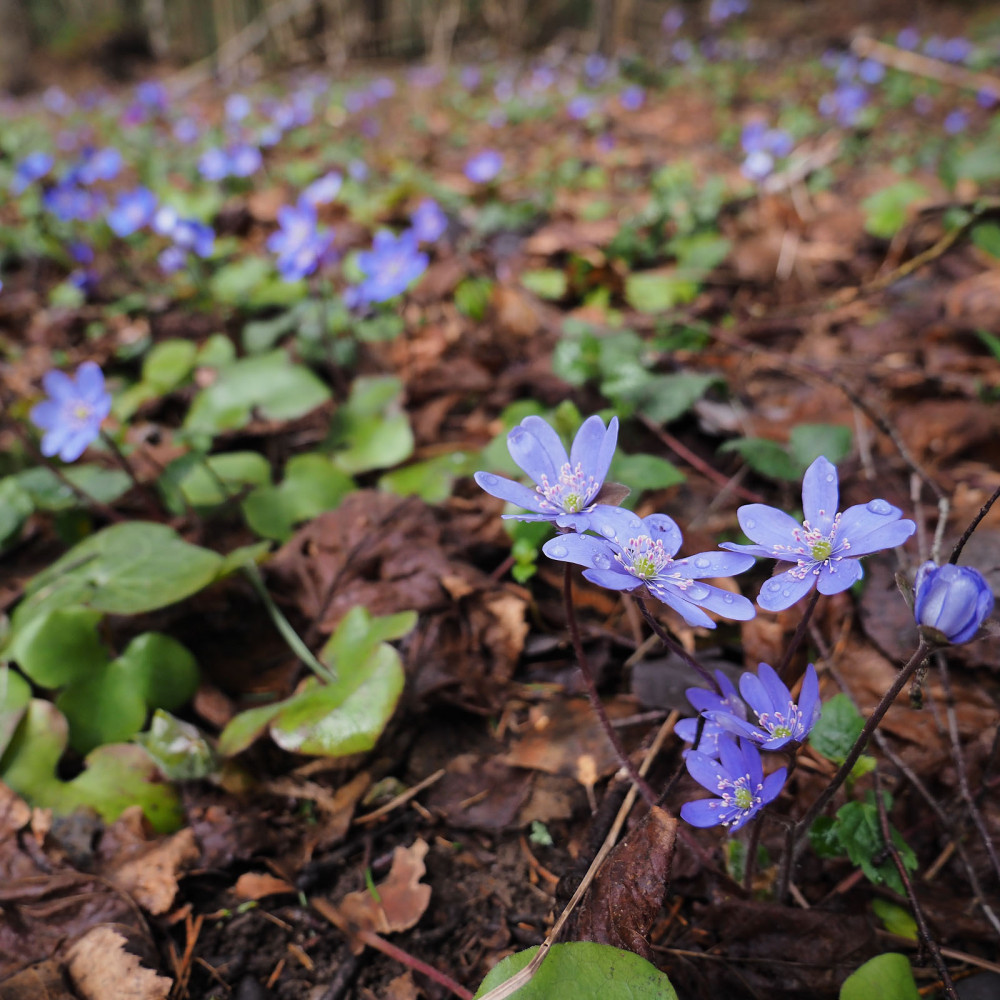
pixel 592 692
pixel 800 632
pixel 967 534
pixel 921 653
pixel 675 647
pixel 915 907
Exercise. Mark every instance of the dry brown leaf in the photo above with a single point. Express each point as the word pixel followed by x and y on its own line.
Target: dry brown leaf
pixel 257 885
pixel 402 897
pixel 101 968
pixel 43 981
pixel 15 813
pixel 402 988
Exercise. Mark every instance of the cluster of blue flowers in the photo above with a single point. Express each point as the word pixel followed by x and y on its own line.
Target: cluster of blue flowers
pixel 622 551
pixel 763 147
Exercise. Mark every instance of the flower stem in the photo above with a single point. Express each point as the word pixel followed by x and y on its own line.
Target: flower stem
pixel 127 467
pixel 797 638
pixel 594 696
pixel 921 653
pixel 967 534
pixel 675 647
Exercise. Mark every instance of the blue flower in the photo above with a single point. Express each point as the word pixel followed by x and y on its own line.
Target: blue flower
pixel 780 720
pixel 565 484
pixel 952 600
pixel 737 777
pixel 705 702
pixel 428 221
pixel 32 168
pixel 99 165
pixel 391 266
pixel 72 415
pixel 484 166
pixel 298 243
pixel 132 211
pixel 324 189
pixel 826 546
pixel 627 552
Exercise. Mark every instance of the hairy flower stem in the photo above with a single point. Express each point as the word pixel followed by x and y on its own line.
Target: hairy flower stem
pixel 800 632
pixel 675 647
pixel 801 828
pixel 594 696
pixel 143 488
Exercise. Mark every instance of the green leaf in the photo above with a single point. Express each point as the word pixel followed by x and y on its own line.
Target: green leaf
pixel 15 507
pixel 666 397
pixel 105 706
pixel 644 472
pixel 431 480
pixel 583 970
pixel 546 282
pixel 986 236
pixel 659 291
pixel 125 569
pixel 261 335
pixel 56 647
pixel 213 480
pixel 115 776
pixel 252 282
pixel 766 457
pixel 700 252
pixel 837 729
pixel 473 296
pixel 884 977
pixel 897 919
pixel 807 442
pixel 168 364
pixel 981 163
pixel 371 430
pixel 268 383
pixel 15 696
pixel 179 748
pixel 312 485
pixel 165 670
pixel 887 210
pixel 48 492
pixel 824 838
pixel 861 836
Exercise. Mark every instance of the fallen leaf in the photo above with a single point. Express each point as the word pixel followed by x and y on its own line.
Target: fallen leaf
pixel 43 981
pixel 257 885
pixel 627 893
pixel 101 968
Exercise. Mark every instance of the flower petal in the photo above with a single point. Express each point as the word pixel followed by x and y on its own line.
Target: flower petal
pixel 507 489
pixel 662 528
pixel 59 386
pixel 820 494
pixel 773 784
pixel 783 590
pixel 756 695
pixel 735 607
pixel 546 436
pixel 611 579
pixel 45 414
pixel 714 564
pixel 835 577
pixel 768 526
pixel 90 380
pixel 777 691
pixel 705 770
pixel 586 448
pixel 872 527
pixel 580 549
pixel 615 523
pixel 702 812
pixel 674 598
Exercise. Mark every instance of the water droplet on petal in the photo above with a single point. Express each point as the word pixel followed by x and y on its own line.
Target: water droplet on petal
pixel 697 592
pixel 558 551
pixel 601 561
pixel 773 585
pixel 487 479
pixel 786 593
pixel 750 523
pixel 728 599
pixel 702 563
pixel 607 531
pixel 879 507
pixel 830 477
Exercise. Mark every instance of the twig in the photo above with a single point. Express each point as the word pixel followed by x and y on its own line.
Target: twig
pixel 592 693
pixel 402 798
pixel 918 913
pixel 519 979
pixel 967 534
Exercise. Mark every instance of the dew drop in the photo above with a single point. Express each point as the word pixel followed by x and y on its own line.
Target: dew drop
pixel 697 592
pixel 773 585
pixel 702 563
pixel 750 524
pixel 487 479
pixel 558 551
pixel 607 531
pixel 601 561
pixel 728 599
pixel 879 507
pixel 830 477
pixel 786 593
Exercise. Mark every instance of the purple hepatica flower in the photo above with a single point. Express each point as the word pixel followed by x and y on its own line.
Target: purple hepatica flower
pixel 908 38
pixel 956 121
pixel 190 234
pixel 186 130
pixel 99 165
pixel 428 221
pixel 986 97
pixel 67 202
pixel 152 94
pixel 324 189
pixel 672 20
pixel 237 106
pixel 780 720
pixel 172 259
pixel 32 168
pixel 632 98
pixel 213 164
pixel 299 244
pixel 484 166
pixel 870 71
pixel 627 552
pixel 470 77
pixel 580 107
pixel 826 547
pixel 72 415
pixel 757 165
pixel 952 600
pixel 566 485
pixel 737 777
pixel 391 266
pixel 729 702
pixel 132 211
pixel 244 160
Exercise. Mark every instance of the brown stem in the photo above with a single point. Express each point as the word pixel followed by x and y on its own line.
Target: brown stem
pixel 800 632
pixel 595 698
pixel 918 913
pixel 675 647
